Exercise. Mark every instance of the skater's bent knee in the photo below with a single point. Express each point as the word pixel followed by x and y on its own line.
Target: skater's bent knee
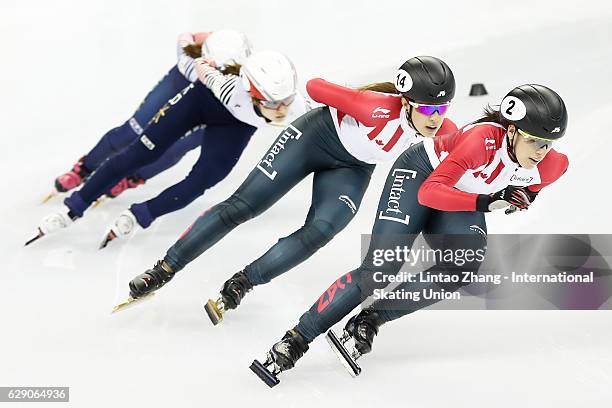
pixel 317 234
pixel 236 211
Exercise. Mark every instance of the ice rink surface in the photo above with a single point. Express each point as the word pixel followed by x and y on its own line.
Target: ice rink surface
pixel 72 69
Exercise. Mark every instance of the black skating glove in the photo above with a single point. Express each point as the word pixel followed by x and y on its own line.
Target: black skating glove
pixel 532 196
pixel 516 198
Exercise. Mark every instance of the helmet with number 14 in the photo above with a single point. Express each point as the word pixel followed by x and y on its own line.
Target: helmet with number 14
pixel 427 85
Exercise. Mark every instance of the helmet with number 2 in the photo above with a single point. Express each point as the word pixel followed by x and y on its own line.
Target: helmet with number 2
pixel 536 110
pixel 426 80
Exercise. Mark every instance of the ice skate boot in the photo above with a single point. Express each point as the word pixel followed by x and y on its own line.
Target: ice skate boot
pixel 124 184
pixel 123 227
pixel 362 329
pixel 281 357
pixel 232 292
pixel 70 180
pixel 144 285
pixel 52 223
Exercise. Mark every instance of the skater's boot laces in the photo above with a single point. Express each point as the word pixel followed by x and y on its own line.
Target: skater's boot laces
pixel 284 348
pixel 159 274
pixel 292 345
pixel 363 328
pixel 151 280
pixel 234 290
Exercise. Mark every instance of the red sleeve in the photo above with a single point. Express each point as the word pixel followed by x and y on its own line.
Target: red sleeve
pixel 448 127
pixel 353 102
pixel 553 166
pixel 438 191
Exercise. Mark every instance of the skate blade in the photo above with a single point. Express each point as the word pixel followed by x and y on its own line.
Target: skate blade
pixel 343 355
pixel 213 312
pixel 99 201
pixel 264 375
pixel 130 302
pixel 109 237
pixel 36 238
pixel 49 196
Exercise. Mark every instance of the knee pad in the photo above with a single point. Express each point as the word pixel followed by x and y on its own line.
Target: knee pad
pixel 316 234
pixel 235 211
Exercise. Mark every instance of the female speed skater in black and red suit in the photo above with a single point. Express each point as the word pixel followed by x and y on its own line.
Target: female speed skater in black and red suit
pixel 340 145
pixel 442 188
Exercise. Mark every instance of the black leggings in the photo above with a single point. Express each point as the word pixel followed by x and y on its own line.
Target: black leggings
pixel 399 220
pixel 309 145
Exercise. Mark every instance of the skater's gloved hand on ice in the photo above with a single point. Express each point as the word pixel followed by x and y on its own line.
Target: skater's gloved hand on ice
pixel 516 198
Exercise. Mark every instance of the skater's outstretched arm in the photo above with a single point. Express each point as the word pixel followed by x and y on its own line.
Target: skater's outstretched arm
pixel 186 61
pixel 439 191
pixel 474 151
pixel 220 84
pixel 353 102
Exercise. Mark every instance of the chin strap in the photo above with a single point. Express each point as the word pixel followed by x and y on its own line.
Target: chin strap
pixel 409 118
pixel 258 112
pixel 512 149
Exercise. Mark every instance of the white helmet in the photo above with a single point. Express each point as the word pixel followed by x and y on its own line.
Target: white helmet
pixel 225 47
pixel 269 76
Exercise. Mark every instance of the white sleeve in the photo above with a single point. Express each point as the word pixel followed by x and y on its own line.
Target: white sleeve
pixel 185 64
pixel 221 85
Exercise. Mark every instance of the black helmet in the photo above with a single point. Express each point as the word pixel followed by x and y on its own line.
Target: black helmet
pixel 537 110
pixel 426 80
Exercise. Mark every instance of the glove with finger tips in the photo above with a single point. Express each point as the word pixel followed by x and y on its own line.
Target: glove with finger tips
pixel 516 197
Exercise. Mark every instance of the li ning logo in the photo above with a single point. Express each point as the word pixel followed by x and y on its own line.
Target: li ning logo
pixel 441 93
pixel 381 113
pixel 347 200
pixel 556 130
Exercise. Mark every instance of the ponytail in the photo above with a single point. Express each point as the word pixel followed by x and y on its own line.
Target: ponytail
pixel 231 69
pixel 193 50
pixel 491 114
pixel 384 87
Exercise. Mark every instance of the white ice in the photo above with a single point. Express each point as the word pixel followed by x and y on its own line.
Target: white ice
pixel 73 69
